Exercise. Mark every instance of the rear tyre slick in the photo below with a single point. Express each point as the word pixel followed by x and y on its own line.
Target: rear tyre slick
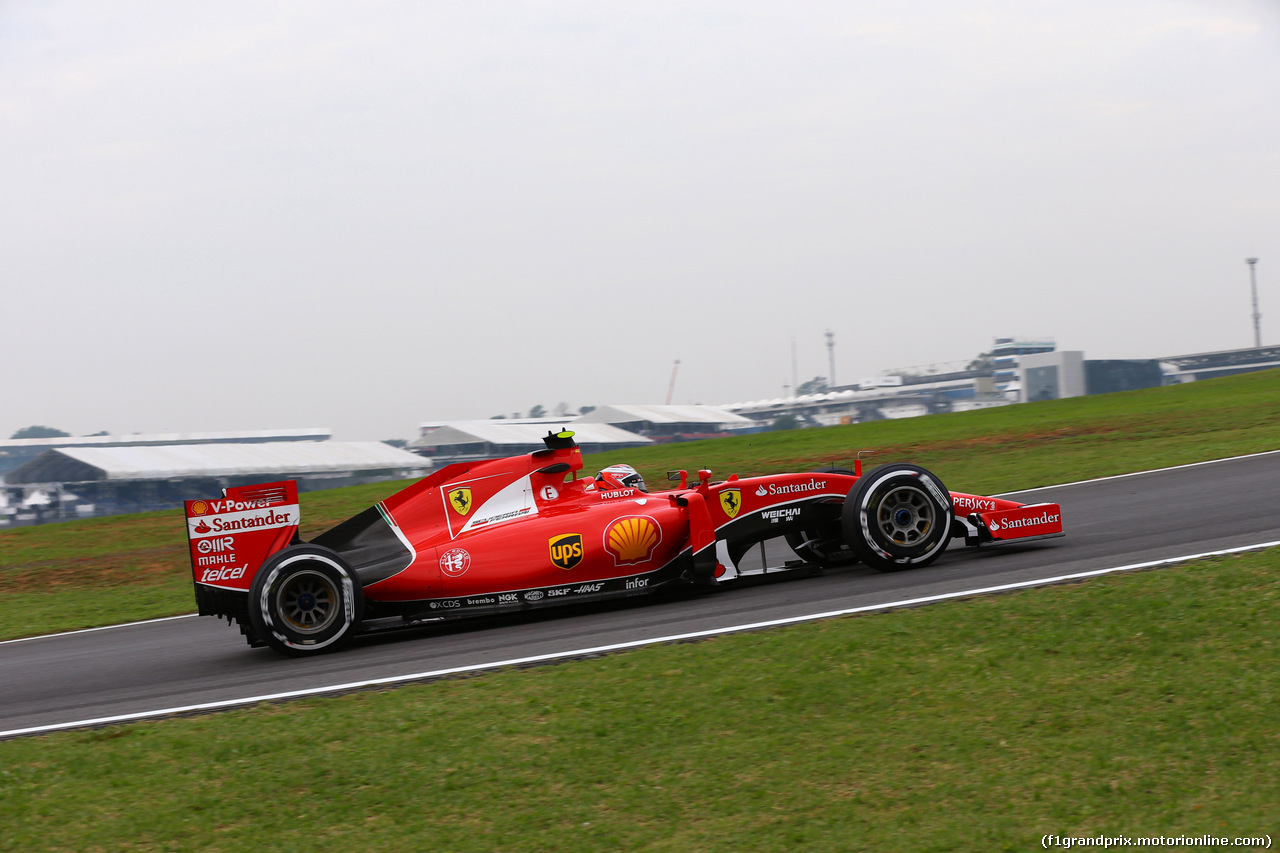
pixel 305 600
pixel 898 517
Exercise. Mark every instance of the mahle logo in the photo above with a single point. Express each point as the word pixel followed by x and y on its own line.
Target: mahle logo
pixel 566 550
pixel 460 500
pixel 731 501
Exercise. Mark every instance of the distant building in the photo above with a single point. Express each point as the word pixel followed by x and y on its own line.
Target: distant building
pixel 1209 365
pixel 1004 359
pixel 14 452
pixel 669 423
pixel 71 482
pixel 467 441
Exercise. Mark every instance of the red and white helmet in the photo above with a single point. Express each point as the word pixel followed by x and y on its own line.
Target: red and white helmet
pixel 620 477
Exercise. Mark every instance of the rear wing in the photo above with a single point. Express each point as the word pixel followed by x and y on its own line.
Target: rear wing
pixel 231 537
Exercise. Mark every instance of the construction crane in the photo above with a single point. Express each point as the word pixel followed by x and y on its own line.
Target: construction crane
pixel 671 389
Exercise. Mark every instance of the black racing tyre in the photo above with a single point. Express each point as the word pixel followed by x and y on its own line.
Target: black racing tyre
pixel 824 544
pixel 898 517
pixel 305 600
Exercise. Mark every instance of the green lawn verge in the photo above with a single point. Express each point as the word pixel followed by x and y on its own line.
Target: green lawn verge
pixel 991 451
pixel 1135 705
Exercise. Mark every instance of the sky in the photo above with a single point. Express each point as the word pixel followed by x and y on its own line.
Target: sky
pixel 366 216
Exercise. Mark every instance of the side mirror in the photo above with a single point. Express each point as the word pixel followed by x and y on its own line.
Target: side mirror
pixel 681 476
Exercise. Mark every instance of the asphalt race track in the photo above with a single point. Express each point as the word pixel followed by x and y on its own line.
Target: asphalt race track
pixel 148 669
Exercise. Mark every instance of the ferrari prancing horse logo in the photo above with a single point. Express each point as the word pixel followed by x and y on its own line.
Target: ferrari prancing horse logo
pixel 731 501
pixel 460 500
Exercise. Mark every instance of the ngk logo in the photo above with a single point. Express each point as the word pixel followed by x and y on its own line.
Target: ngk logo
pixel 216 544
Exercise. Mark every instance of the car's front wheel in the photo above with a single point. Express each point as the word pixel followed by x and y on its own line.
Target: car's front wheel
pixel 305 600
pixel 898 517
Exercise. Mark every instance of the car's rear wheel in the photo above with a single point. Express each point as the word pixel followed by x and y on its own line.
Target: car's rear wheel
pixel 823 544
pixel 305 600
pixel 898 517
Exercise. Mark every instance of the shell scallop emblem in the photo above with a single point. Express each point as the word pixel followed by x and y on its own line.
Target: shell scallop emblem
pixel 632 539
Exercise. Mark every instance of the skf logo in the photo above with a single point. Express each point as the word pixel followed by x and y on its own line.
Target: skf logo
pixel 566 550
pixel 632 540
pixel 731 501
pixel 460 500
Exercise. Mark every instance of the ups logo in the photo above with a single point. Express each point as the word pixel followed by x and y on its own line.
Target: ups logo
pixel 566 550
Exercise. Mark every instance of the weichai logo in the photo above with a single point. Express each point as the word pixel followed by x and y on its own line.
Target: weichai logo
pixel 632 540
pixel 566 550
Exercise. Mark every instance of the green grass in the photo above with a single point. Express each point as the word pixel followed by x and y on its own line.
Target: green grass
pixel 132 567
pixel 1140 704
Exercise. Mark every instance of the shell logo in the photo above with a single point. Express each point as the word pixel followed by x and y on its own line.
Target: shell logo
pixel 632 539
pixel 199 508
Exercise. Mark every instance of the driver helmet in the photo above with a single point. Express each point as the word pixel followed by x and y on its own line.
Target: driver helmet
pixel 620 477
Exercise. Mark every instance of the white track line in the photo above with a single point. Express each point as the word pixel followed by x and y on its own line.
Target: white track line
pixel 614 647
pixel 1140 473
pixel 1002 494
pixel 101 628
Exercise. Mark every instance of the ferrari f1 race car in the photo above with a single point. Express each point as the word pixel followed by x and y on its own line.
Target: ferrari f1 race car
pixel 505 535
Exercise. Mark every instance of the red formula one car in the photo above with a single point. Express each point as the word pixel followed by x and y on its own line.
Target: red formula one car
pixel 525 532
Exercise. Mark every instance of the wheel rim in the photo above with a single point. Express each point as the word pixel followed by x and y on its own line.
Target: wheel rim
pixel 905 516
pixel 307 601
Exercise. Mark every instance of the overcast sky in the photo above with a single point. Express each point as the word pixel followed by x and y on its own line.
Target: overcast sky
pixel 363 216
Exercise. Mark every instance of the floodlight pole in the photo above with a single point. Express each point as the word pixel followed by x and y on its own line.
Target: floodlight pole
pixel 831 358
pixel 1253 286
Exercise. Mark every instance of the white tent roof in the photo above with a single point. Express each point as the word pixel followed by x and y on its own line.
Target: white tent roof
pixel 157 462
pixel 234 437
pixel 662 415
pixel 502 432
